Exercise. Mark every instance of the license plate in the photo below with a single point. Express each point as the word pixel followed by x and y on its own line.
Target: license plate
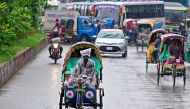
pixel 109 48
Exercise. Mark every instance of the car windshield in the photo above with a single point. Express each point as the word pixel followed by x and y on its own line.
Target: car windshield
pixel 111 34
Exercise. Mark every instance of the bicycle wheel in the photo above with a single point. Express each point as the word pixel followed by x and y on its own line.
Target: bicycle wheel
pixel 158 73
pixel 142 46
pixel 174 74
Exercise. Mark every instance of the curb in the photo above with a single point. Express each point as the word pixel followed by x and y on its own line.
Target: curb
pixel 8 69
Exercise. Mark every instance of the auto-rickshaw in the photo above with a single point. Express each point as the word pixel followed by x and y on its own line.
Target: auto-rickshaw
pixel 129 29
pixel 153 46
pixel 68 34
pixel 171 57
pixel 79 96
pixel 68 24
pixel 144 29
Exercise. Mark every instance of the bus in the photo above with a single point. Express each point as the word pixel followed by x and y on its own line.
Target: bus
pixel 129 10
pixel 52 5
pixel 84 8
pixel 175 13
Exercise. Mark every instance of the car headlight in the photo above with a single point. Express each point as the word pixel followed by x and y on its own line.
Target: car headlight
pixel 69 94
pixel 89 94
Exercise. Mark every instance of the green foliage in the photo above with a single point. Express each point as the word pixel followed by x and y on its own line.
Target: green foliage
pixel 17 19
pixel 8 52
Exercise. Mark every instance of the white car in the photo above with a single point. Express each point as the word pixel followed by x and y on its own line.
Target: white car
pixel 112 41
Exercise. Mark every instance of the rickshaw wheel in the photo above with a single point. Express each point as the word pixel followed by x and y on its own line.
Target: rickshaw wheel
pixel 146 64
pixel 174 74
pixel 158 73
pixel 142 45
pixel 101 99
pixel 137 47
pixel 61 99
pixel 184 77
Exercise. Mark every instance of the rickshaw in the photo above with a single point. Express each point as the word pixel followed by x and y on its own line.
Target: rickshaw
pixel 129 30
pixel 153 46
pixel 144 29
pixel 171 57
pixel 68 32
pixel 187 48
pixel 79 97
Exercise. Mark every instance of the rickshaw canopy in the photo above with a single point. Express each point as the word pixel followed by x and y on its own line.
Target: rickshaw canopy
pixel 128 23
pixel 172 36
pixel 154 36
pixel 73 55
pixel 146 21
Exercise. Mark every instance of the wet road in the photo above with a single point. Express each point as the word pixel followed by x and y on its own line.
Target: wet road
pixel 126 84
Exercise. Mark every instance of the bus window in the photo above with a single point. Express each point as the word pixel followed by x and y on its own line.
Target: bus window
pixel 108 11
pixel 82 10
pixel 144 11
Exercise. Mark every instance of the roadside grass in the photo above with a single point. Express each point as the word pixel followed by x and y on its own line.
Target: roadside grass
pixel 29 41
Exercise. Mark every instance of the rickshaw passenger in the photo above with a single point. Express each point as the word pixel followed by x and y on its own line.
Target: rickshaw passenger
pixel 156 46
pixel 85 65
pixel 174 49
pixel 149 51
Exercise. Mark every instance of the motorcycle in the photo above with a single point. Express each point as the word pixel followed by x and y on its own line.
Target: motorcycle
pixel 55 51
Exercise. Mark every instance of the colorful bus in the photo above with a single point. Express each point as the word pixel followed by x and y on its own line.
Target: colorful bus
pixel 53 5
pixel 84 8
pixel 175 13
pixel 129 10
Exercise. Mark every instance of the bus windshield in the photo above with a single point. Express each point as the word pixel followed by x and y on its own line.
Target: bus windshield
pixel 107 11
pixel 174 17
pixel 145 11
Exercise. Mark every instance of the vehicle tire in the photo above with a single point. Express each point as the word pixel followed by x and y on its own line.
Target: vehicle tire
pixel 84 38
pixel 142 46
pixel 55 60
pixel 79 101
pixel 146 65
pixel 158 73
pixel 174 74
pixel 137 47
pixel 184 77
pixel 124 55
pixel 101 102
pixel 74 39
pixel 61 99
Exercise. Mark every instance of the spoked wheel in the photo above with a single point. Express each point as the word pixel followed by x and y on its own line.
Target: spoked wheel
pixel 101 97
pixel 137 45
pixel 79 101
pixel 142 46
pixel 146 64
pixel 158 73
pixel 184 77
pixel 61 99
pixel 174 74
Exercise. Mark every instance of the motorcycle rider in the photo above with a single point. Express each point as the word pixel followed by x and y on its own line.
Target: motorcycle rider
pixel 59 28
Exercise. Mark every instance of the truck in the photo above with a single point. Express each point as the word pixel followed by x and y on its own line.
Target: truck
pixel 75 27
